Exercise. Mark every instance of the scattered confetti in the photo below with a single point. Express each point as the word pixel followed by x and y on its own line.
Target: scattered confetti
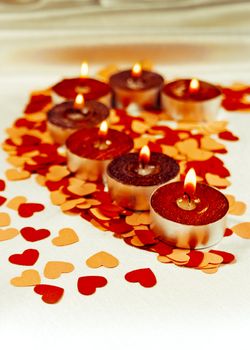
pixel 16 175
pixel 4 219
pixel 145 277
pixel 15 202
pixel 102 259
pixel 242 230
pixel 66 236
pixel 8 233
pixel 50 294
pixel 33 235
pixel 28 258
pixel 54 269
pixel 26 210
pixel 27 278
pixel 87 285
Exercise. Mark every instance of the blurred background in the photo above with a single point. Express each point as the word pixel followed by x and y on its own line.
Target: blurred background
pixel 164 31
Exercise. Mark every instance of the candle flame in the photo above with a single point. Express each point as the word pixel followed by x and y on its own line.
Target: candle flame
pixel 144 155
pixel 194 86
pixel 84 69
pixel 136 70
pixel 79 101
pixel 190 182
pixel 103 129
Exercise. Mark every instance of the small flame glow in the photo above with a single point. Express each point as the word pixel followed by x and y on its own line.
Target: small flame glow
pixel 190 182
pixel 144 155
pixel 103 129
pixel 79 101
pixel 136 70
pixel 84 69
pixel 194 86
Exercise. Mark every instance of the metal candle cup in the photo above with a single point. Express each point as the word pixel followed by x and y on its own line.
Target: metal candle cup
pixel 142 88
pixel 65 118
pixel 88 153
pixel 199 227
pixel 131 185
pixel 200 105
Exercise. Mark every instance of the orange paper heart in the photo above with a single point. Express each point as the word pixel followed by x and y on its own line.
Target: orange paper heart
pixel 16 175
pixel 8 233
pixel 102 259
pixel 27 278
pixel 4 219
pixel 54 269
pixel 66 236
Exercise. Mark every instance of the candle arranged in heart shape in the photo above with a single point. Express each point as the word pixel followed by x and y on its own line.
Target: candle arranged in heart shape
pixel 187 215
pixel 92 89
pixel 132 177
pixel 136 86
pixel 90 150
pixel 69 116
pixel 191 100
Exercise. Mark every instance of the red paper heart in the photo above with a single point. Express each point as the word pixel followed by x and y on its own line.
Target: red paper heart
pixel 2 200
pixel 87 284
pixel 26 210
pixel 196 258
pixel 145 277
pixel 33 235
pixel 2 185
pixel 28 257
pixel 50 294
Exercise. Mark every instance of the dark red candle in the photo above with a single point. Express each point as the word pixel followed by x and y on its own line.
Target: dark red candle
pixel 188 219
pixel 92 89
pixel 67 117
pixel 90 150
pixel 132 178
pixel 136 86
pixel 191 100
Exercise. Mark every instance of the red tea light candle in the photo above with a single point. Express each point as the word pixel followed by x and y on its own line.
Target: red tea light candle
pixel 136 85
pixel 90 150
pixel 67 117
pixel 191 100
pixel 189 215
pixel 92 89
pixel 133 177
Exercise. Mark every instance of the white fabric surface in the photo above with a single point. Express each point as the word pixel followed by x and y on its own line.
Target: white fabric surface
pixel 187 308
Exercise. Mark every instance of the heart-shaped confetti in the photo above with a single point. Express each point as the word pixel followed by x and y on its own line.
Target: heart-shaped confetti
pixel 102 259
pixel 66 236
pixel 242 230
pixel 27 278
pixel 138 219
pixel 33 235
pixel 26 210
pixel 4 219
pixel 50 294
pixel 57 173
pixel 16 175
pixel 87 285
pixel 217 181
pixel 8 233
pixel 54 269
pixel 15 202
pixel 2 185
pixel 28 257
pixel 145 277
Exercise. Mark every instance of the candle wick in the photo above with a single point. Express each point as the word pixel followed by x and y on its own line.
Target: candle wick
pixel 187 195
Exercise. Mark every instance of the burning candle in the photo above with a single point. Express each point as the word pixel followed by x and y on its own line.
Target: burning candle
pixel 132 177
pixel 92 89
pixel 90 150
pixel 137 86
pixel 67 117
pixel 191 100
pixel 189 215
